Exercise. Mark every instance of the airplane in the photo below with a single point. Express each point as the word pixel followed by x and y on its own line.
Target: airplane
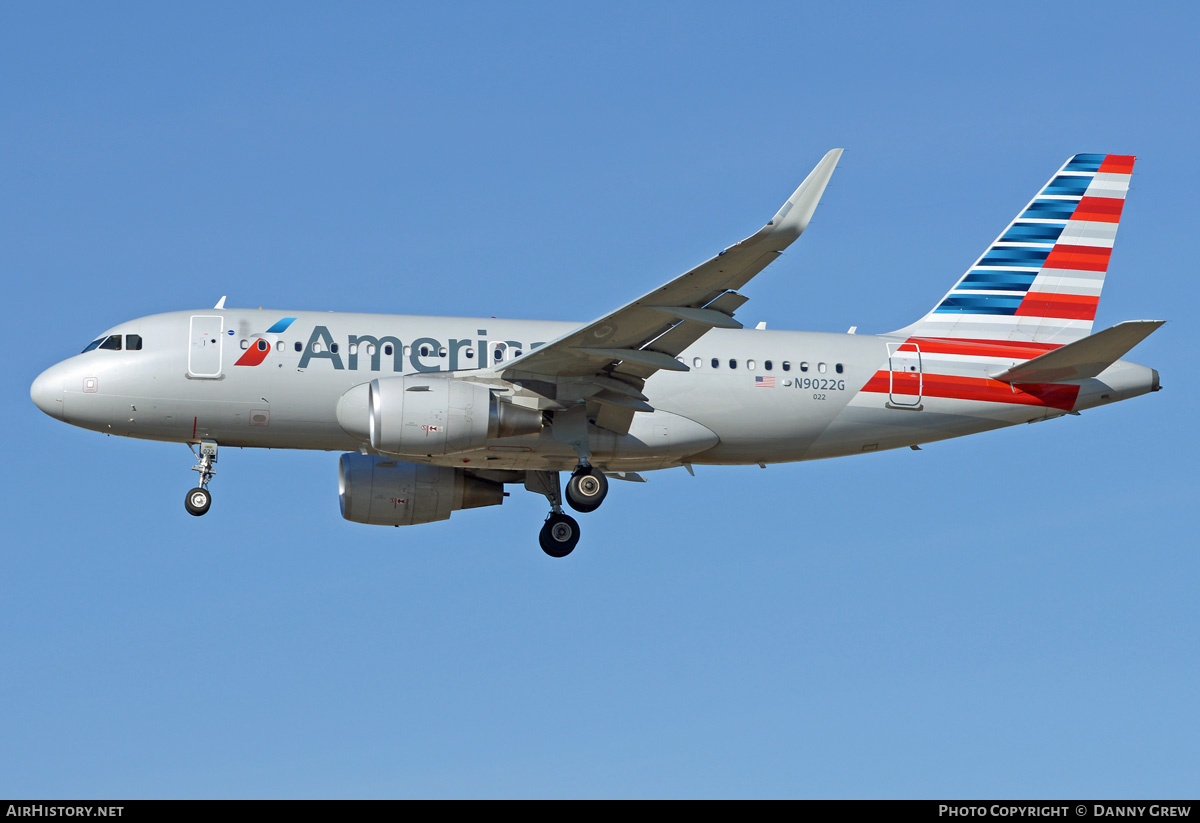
pixel 438 414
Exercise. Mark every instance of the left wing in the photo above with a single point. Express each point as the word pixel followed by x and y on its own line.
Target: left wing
pixel 612 357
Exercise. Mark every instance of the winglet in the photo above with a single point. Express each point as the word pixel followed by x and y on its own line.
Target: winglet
pixel 792 219
pixel 221 302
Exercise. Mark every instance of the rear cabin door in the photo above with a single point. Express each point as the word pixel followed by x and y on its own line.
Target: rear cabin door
pixel 206 337
pixel 906 380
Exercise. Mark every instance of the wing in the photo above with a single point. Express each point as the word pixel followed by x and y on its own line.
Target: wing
pixel 609 359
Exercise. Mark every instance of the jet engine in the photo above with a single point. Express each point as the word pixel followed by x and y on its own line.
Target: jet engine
pixel 426 416
pixel 395 493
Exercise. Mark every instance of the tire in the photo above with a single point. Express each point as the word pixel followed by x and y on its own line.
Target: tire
pixel 587 489
pixel 197 501
pixel 560 535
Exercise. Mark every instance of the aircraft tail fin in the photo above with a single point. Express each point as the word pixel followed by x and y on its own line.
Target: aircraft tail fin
pixel 1083 358
pixel 1040 280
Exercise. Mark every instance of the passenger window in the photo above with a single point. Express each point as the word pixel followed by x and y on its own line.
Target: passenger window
pixel 787 366
pixel 804 366
pixel 280 346
pixel 113 343
pixel 263 345
pixel 767 365
pixel 371 349
pixel 470 354
pixel 407 351
pixel 697 362
pixel 299 346
pixel 387 349
pixel 821 367
pixel 424 351
pixel 750 365
pixel 716 364
pixel 732 363
pixel 838 368
pixel 442 352
pixel 317 347
pixel 333 347
pixel 244 344
pixel 497 354
pixel 133 342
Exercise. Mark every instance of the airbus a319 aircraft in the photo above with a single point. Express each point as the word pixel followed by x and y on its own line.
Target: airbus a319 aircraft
pixel 437 414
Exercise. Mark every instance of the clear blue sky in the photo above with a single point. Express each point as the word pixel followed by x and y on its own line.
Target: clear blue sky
pixel 1013 614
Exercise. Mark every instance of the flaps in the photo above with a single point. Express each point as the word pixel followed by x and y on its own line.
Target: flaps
pixel 645 357
pixel 613 399
pixel 705 317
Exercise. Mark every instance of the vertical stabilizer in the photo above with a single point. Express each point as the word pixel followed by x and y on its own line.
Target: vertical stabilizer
pixel 1040 280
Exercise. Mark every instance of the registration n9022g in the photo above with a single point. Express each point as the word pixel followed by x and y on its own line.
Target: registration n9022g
pixel 819 383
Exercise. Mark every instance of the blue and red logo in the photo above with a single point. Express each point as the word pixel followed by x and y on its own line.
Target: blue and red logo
pixel 260 346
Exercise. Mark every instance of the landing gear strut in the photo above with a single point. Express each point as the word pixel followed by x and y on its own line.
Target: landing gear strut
pixel 199 499
pixel 560 535
pixel 586 489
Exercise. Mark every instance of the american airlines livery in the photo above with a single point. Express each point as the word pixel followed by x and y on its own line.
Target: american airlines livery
pixel 436 414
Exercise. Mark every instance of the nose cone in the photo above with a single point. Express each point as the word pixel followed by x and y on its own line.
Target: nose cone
pixel 47 392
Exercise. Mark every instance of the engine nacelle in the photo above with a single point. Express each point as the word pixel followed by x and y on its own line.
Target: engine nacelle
pixel 426 416
pixel 395 493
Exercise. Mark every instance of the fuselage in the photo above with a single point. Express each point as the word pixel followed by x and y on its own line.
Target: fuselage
pixel 273 379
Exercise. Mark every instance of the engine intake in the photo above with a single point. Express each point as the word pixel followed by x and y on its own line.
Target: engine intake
pixel 395 493
pixel 428 416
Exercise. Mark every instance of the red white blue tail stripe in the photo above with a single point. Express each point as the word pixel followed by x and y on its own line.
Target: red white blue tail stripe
pixel 1040 280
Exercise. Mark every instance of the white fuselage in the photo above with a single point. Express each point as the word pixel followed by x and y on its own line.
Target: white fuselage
pixel 750 396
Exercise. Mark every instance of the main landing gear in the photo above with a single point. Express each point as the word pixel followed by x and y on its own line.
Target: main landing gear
pixel 560 534
pixel 586 490
pixel 199 499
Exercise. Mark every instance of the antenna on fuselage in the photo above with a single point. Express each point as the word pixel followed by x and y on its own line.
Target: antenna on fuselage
pixel 221 302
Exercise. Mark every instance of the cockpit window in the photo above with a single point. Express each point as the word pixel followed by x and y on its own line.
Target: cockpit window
pixel 133 342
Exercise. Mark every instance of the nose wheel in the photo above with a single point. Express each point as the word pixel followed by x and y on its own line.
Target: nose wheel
pixel 586 489
pixel 199 499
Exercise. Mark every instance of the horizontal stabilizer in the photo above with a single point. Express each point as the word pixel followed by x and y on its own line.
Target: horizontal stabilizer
pixel 1083 358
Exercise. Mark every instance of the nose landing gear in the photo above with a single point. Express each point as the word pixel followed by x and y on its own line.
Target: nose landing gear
pixel 199 499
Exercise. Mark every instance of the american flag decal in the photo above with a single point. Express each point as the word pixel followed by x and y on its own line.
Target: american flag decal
pixel 764 382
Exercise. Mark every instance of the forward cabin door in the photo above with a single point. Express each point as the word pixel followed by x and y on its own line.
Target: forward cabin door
pixel 906 380
pixel 206 337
